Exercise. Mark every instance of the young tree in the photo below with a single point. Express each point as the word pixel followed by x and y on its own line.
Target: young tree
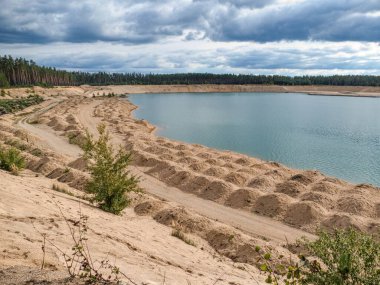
pixel 110 181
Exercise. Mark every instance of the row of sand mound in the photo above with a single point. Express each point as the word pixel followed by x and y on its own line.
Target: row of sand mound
pixel 303 200
pixel 225 240
pixel 43 162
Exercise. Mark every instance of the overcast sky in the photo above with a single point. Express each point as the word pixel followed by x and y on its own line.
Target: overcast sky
pixel 290 37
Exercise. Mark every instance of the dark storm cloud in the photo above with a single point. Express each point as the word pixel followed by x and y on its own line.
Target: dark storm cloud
pixel 349 20
pixel 136 22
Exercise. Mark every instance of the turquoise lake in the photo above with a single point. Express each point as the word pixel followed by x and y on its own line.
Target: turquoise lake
pixel 340 136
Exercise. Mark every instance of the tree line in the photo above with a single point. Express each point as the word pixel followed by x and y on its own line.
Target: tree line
pixel 22 72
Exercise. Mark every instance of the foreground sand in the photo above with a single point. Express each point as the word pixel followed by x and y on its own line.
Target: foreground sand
pixel 141 247
pixel 256 202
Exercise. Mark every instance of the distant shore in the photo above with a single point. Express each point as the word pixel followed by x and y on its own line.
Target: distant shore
pixel 359 91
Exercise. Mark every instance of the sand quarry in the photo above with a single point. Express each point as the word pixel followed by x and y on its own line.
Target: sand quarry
pixel 225 202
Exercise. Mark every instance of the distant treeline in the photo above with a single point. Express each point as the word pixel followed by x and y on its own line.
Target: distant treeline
pixel 22 72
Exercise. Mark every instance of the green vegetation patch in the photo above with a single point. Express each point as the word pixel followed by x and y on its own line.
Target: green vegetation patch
pixel 11 160
pixel 13 105
pixel 342 257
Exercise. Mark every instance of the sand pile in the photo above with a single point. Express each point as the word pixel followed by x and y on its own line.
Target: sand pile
pixel 217 191
pixel 272 205
pixel 196 185
pixel 216 172
pixel 304 213
pixel 236 178
pixel 199 166
pixel 179 217
pixel 243 198
pixel 324 199
pixel 58 124
pixel 262 182
pixel 44 165
pixel 149 208
pixel 291 188
pixel 358 205
pixel 180 178
pixel 80 164
pixel 343 221
pixel 325 187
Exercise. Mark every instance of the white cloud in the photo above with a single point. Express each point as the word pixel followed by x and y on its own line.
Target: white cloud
pixel 176 55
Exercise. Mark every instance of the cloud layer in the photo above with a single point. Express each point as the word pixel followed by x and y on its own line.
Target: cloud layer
pixel 41 21
pixel 250 36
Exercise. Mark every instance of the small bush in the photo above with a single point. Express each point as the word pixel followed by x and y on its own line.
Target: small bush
pixel 344 257
pixel 110 181
pixel 347 256
pixel 11 160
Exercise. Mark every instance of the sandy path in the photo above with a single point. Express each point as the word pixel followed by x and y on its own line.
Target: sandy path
pixel 249 222
pixel 49 137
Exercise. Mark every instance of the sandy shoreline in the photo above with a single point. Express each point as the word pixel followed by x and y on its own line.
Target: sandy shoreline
pixel 357 91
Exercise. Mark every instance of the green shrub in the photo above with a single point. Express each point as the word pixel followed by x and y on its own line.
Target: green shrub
pixel 11 160
pixel 343 257
pixel 14 105
pixel 347 257
pixel 110 181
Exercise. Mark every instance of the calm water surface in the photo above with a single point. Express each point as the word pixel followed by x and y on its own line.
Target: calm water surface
pixel 339 136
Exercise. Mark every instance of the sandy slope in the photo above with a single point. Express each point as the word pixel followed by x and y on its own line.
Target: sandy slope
pixel 142 248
